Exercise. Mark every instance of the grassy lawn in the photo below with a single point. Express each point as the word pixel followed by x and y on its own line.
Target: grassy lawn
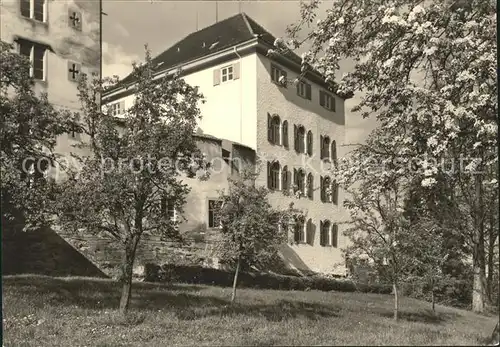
pixel 46 311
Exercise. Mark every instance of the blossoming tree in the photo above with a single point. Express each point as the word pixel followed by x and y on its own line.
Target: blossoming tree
pixel 427 72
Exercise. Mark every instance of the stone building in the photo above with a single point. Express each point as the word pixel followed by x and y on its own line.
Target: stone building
pixel 296 129
pixel 63 40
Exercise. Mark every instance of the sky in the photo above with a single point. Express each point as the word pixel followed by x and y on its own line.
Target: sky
pixel 130 24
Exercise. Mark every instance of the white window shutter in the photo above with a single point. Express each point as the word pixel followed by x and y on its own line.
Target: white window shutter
pixel 216 77
pixel 236 70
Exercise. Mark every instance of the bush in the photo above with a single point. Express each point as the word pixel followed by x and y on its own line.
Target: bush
pixel 223 278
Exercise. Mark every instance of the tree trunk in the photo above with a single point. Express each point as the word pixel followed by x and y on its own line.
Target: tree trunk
pixel 235 281
pixel 127 268
pixel 396 300
pixel 433 301
pixel 492 238
pixel 478 260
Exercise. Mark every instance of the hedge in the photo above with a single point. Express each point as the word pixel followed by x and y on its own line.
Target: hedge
pixel 200 275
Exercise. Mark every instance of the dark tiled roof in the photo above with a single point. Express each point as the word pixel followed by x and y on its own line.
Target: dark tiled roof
pixel 227 33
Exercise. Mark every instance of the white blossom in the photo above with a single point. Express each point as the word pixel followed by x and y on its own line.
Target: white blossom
pixel 428 182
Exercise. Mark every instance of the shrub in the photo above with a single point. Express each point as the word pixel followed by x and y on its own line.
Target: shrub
pixel 224 278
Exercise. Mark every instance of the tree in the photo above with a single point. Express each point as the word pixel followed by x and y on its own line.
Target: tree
pixel 427 72
pixel 250 230
pixel 30 126
pixel 136 164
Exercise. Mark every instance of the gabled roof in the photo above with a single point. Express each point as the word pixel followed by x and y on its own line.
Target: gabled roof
pixel 222 35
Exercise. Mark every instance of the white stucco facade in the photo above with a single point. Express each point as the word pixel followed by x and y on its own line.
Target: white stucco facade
pixel 237 110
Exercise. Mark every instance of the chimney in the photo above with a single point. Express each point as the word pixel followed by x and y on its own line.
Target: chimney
pixel 203 45
pixel 178 49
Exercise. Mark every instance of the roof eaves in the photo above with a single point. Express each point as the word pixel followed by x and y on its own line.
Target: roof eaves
pixel 171 69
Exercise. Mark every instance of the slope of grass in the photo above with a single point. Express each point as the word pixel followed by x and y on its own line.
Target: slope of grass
pixel 46 311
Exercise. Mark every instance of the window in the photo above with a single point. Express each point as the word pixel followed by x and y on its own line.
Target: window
pixel 273 176
pixel 35 52
pixel 304 90
pixel 117 108
pixel 327 101
pixel 213 213
pixel 299 235
pixel 325 147
pixel 285 133
pixel 309 143
pixel 309 231
pixel 310 186
pixel 299 178
pixel 273 129
pixel 325 185
pixel 168 209
pixel 324 233
pixel 333 153
pixel 35 171
pixel 34 9
pixel 335 236
pixel 335 192
pixel 299 136
pixel 75 20
pixel 278 76
pixel 74 71
pixel 285 180
pixel 226 73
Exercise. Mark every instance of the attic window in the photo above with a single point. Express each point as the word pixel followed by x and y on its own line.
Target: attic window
pixel 213 45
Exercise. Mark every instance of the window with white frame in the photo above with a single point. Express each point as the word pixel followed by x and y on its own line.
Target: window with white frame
pixel 35 52
pixel 226 73
pixel 34 9
pixel 116 108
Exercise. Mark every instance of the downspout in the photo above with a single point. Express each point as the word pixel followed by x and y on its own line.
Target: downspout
pixel 241 96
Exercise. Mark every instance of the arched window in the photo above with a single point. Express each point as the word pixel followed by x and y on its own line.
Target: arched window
pixel 310 186
pixel 335 192
pixel 335 235
pixel 285 180
pixel 324 233
pixel 299 138
pixel 299 180
pixel 309 143
pixel 309 231
pixel 273 176
pixel 333 152
pixel 299 234
pixel 275 123
pixel 325 185
pixel 285 133
pixel 325 147
pixel 273 129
